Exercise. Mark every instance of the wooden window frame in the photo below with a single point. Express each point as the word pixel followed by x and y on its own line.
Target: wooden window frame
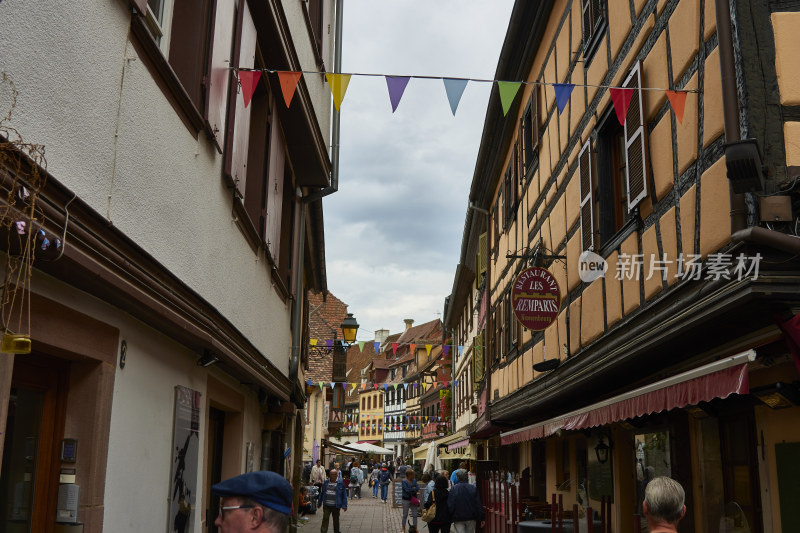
pixel 594 22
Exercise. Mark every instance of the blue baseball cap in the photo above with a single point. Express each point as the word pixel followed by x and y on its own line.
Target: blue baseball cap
pixel 265 487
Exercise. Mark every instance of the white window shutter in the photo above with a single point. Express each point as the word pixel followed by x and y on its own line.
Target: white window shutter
pixel 586 204
pixel 635 146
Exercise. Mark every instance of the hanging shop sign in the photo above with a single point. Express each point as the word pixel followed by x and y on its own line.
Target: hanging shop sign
pixel 536 298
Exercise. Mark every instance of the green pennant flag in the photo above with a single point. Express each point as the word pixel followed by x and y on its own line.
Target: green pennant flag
pixel 508 90
pixel 360 346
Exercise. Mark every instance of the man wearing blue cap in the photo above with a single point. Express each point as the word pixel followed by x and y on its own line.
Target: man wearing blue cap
pixel 256 502
pixel 332 498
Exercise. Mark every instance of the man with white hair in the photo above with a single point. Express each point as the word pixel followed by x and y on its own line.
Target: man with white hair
pixel 663 505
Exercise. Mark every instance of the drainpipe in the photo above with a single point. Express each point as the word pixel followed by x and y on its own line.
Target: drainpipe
pixel 294 362
pixel 335 127
pixel 730 103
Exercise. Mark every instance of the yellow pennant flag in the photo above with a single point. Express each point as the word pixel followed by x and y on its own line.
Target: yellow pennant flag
pixel 313 342
pixel 428 348
pixel 338 84
pixel 354 385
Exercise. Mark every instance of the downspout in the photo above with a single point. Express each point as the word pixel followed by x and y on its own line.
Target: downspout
pixel 294 363
pixel 740 232
pixel 335 127
pixel 730 103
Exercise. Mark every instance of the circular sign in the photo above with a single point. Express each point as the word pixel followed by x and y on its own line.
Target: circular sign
pixel 535 298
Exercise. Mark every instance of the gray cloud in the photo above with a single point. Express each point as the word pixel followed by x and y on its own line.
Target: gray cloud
pixel 393 231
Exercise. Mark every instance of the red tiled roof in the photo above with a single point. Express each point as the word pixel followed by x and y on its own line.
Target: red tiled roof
pixel 325 316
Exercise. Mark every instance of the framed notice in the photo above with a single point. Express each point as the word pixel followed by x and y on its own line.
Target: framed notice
pixel 185 439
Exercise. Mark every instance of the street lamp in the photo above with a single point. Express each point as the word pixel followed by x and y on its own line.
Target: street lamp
pixel 349 328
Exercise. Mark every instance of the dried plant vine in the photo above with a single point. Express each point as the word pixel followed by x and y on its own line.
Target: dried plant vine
pixel 23 172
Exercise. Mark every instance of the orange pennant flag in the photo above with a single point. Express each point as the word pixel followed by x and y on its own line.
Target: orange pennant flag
pixel 413 348
pixel 248 79
pixel 288 84
pixel 677 99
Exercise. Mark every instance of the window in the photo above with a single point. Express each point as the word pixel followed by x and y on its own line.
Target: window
pixel 593 14
pixel 510 190
pixel 369 402
pixel 380 399
pixel 159 18
pixel 529 136
pixel 612 172
pixel 363 403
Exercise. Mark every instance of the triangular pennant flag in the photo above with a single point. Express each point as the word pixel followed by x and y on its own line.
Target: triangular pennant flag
pixel 354 386
pixel 338 84
pixel 455 383
pixel 412 348
pixel 385 386
pixel 329 343
pixel 435 383
pixel 395 386
pixel 563 92
pixel 446 349
pixel 321 385
pixel 454 89
pixel 313 342
pixel 428 348
pixel 376 386
pixel 405 386
pixel 361 346
pixel 508 90
pixel 309 382
pixel 333 384
pixel 377 346
pixel 445 383
pixel 396 86
pixel 460 350
pixel 677 99
pixel 288 84
pixel 394 347
pixel 621 99
pixel 248 79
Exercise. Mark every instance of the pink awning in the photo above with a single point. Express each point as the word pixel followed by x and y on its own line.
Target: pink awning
pixel 458 444
pixel 702 384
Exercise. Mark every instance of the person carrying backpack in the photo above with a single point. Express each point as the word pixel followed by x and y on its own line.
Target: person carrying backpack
pixel 374 479
pixel 386 478
pixel 356 479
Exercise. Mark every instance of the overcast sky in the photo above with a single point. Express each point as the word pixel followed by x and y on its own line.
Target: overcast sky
pixel 393 231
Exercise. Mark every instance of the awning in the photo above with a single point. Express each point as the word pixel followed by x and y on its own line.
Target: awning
pixel 702 384
pixel 371 448
pixel 458 444
pixel 420 452
pixel 457 436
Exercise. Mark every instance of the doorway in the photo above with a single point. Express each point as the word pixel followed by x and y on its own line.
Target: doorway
pixel 216 432
pixel 29 480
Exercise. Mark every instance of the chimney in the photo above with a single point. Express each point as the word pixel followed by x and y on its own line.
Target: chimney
pixel 409 322
pixel 381 335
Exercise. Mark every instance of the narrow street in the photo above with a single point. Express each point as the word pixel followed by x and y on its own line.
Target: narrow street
pixel 363 515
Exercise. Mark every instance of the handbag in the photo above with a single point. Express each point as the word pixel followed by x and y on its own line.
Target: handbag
pixel 415 501
pixel 430 512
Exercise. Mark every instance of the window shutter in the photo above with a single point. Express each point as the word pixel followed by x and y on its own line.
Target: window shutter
pixel 239 116
pixel 188 46
pixel 277 158
pixel 219 72
pixel 586 205
pixel 533 131
pixel 523 152
pixel 480 259
pixel 635 158
pixel 140 5
pixel 586 13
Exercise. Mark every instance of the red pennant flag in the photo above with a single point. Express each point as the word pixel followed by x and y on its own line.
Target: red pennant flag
pixel 677 99
pixel 248 79
pixel 394 347
pixel 288 84
pixel 622 100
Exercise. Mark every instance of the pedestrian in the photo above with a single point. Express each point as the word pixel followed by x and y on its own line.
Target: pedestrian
pixel 428 483
pixel 374 480
pixel 440 495
pixel 332 499
pixel 410 499
pixel 356 479
pixel 256 502
pixel 305 504
pixel 318 475
pixel 385 479
pixel 454 477
pixel 663 505
pixel 464 504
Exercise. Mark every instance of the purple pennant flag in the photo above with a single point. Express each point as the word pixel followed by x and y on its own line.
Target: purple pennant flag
pixel 563 92
pixel 446 349
pixel 396 85
pixel 455 89
pixel 329 343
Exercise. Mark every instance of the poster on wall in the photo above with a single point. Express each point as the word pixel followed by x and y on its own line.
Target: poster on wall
pixel 185 444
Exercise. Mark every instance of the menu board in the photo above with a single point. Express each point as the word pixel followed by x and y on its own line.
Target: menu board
pixel 398 493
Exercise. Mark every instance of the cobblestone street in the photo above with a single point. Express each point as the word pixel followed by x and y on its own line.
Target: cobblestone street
pixel 363 515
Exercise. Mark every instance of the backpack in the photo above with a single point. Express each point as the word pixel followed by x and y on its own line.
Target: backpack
pixel 385 477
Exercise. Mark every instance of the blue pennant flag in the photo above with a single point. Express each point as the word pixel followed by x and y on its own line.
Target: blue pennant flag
pixel 563 92
pixel 455 89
